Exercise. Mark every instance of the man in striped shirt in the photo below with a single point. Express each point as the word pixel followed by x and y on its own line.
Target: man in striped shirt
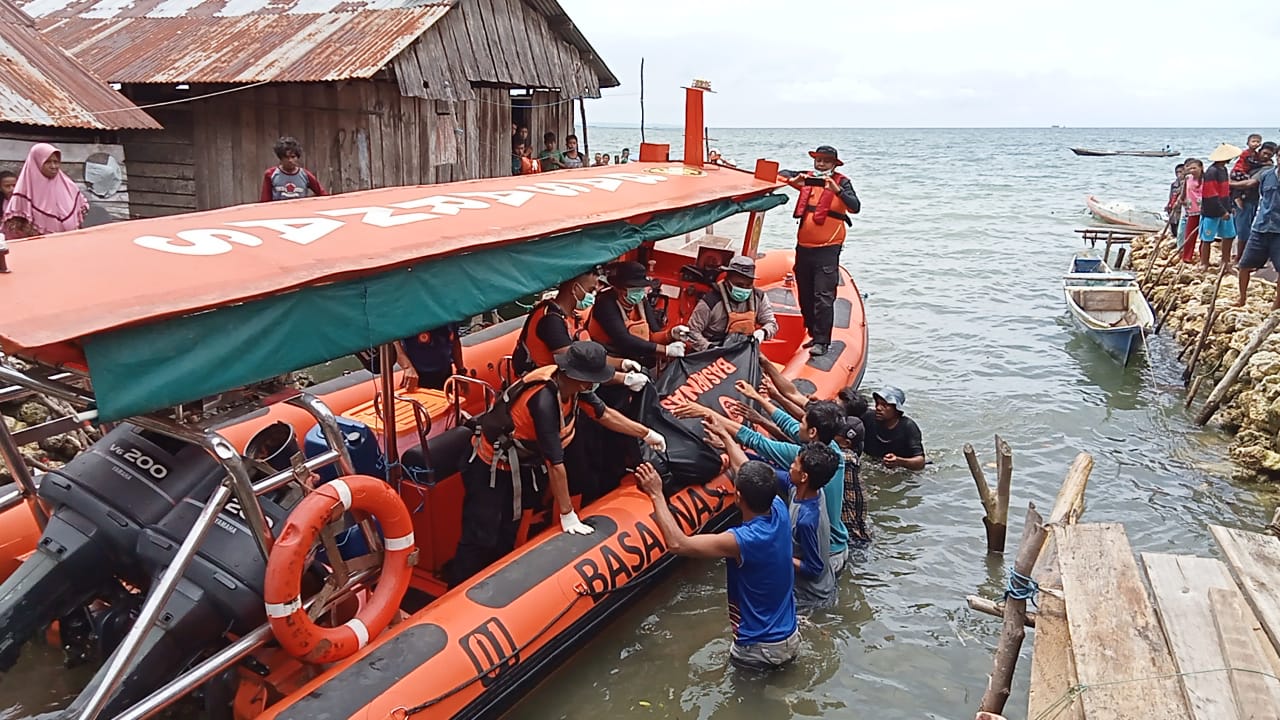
pixel 1216 221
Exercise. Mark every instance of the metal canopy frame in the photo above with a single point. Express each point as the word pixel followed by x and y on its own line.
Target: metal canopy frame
pixel 237 483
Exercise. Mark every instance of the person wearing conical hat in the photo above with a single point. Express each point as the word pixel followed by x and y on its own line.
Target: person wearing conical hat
pixel 1216 209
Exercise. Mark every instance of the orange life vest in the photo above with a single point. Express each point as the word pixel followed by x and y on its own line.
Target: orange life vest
pixel 742 323
pixel 525 434
pixel 536 351
pixel 529 166
pixel 814 208
pixel 635 319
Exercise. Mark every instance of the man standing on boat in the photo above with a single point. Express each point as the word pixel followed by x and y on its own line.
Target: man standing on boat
pixel 827 199
pixel 520 450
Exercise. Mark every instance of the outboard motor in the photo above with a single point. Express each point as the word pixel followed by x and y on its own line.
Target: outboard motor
pixel 220 592
pixel 102 500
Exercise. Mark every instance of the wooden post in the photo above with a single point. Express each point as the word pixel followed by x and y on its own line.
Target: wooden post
pixel 642 100
pixel 1175 258
pixel 1015 617
pixel 1004 480
pixel 1220 391
pixel 1120 258
pixel 986 606
pixel 1155 255
pixel 1170 298
pixel 582 108
pixel 1210 316
pixel 985 495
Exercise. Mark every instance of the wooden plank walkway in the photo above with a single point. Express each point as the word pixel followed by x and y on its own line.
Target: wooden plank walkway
pixel 1181 587
pixel 1121 655
pixel 1201 646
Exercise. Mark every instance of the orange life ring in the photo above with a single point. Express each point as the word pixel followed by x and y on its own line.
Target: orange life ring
pixel 297 633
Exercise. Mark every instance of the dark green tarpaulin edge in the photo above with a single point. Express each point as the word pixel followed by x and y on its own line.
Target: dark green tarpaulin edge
pixel 140 369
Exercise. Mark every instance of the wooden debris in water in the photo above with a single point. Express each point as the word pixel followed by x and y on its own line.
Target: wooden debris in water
pixel 1015 617
pixel 996 504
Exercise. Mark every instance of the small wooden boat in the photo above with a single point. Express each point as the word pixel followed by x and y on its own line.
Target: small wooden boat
pixel 1123 215
pixel 1108 308
pixel 1089 152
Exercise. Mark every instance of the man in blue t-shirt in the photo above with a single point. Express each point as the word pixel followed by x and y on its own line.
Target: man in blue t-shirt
pixel 1264 236
pixel 821 420
pixel 761 581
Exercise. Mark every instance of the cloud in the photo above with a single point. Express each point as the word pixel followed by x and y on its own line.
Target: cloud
pixel 932 63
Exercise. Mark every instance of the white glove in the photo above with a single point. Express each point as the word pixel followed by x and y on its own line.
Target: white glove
pixel 680 332
pixel 655 440
pixel 570 523
pixel 631 366
pixel 675 350
pixel 635 381
pixel 758 335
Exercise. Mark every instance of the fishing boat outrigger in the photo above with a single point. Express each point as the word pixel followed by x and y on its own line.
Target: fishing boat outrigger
pixel 264 552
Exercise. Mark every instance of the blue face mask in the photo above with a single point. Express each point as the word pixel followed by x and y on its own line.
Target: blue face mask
pixel 738 294
pixel 635 296
pixel 588 299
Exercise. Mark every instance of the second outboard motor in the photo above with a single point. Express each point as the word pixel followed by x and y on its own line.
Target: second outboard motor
pixel 101 502
pixel 220 592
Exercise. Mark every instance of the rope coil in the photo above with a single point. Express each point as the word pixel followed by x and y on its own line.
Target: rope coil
pixel 1021 587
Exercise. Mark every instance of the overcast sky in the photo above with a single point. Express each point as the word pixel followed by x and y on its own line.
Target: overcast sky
pixel 938 63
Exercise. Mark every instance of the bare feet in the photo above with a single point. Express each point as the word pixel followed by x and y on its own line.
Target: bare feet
pixel 1239 302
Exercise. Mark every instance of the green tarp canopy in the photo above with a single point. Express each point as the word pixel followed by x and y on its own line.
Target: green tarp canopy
pixel 139 369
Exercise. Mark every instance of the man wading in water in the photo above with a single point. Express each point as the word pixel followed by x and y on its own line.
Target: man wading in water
pixel 891 436
pixel 826 201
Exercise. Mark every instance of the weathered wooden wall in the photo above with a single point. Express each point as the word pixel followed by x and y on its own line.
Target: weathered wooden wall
pixel 162 165
pixel 549 111
pixel 14 146
pixel 355 135
pixel 492 42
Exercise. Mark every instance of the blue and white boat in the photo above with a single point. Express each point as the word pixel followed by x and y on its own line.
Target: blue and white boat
pixel 1107 306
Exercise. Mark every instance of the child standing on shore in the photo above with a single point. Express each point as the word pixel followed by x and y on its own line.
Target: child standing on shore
pixel 1216 210
pixel 1189 226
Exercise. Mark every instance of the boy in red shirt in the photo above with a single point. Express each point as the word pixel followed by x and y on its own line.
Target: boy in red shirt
pixel 289 179
pixel 1216 209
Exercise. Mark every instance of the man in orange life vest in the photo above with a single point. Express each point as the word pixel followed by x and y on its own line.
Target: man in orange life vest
pixel 507 473
pixel 556 322
pixel 734 306
pixel 623 322
pixel 826 201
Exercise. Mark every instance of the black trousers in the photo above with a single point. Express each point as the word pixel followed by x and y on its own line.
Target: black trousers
pixel 489 528
pixel 817 276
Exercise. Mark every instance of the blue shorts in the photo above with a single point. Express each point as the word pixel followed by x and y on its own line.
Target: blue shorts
pixel 1262 246
pixel 1212 229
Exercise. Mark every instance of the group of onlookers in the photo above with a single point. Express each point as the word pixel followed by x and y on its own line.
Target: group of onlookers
pixel 525 159
pixel 1236 196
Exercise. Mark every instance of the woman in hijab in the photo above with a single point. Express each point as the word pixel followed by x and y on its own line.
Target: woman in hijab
pixel 45 200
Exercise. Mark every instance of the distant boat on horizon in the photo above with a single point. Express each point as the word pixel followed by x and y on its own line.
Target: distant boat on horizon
pixel 1088 152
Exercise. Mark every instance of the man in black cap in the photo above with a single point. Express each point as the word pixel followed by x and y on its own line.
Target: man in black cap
pixel 521 448
pixel 734 306
pixel 826 201
pixel 622 319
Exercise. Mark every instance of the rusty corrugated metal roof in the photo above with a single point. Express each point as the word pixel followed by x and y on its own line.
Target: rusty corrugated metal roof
pixel 243 48
pixel 40 84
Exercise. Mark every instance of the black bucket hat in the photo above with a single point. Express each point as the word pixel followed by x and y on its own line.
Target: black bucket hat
pixel 827 151
pixel 630 275
pixel 585 361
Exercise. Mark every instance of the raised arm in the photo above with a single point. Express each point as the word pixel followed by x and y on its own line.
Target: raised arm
pixel 720 545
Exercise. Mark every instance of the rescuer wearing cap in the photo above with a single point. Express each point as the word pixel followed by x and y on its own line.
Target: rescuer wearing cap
pixel 826 201
pixel 520 448
pixel 622 319
pixel 734 306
